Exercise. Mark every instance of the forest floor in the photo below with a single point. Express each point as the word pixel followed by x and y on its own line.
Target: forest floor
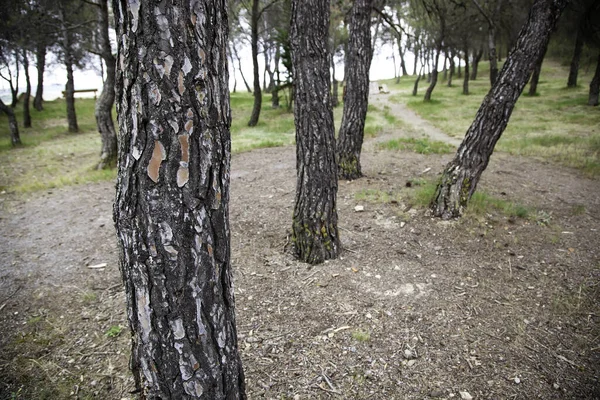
pixel 491 306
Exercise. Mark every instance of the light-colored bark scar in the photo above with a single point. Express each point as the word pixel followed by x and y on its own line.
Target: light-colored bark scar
pixel 181 83
pixel 189 127
pixel 158 156
pixel 183 174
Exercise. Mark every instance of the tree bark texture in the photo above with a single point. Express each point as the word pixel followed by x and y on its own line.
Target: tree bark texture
pixel 104 104
pixel 41 65
pixel 574 69
pixel 356 95
pixel 595 86
pixel 254 46
pixel 172 204
pixel 27 94
pixel 314 227
pixel 15 139
pixel 459 179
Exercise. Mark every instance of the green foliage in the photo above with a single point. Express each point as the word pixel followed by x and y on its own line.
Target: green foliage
pixel 420 146
pixel 361 336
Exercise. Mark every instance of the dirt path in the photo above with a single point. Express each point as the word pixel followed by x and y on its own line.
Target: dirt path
pixel 414 308
pixel 419 126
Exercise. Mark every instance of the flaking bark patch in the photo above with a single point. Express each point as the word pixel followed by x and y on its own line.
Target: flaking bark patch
pixel 158 156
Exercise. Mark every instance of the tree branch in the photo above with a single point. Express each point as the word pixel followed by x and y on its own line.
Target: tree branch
pixel 391 23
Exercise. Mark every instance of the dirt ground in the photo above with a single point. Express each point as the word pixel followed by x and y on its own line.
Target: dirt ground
pixel 486 307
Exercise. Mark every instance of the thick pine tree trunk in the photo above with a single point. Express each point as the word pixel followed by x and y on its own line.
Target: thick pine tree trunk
pixel 459 179
pixel 15 139
pixel 574 70
pixel 41 65
pixel 171 209
pixel 595 86
pixel 356 95
pixel 254 45
pixel 314 227
pixel 104 104
pixel 27 94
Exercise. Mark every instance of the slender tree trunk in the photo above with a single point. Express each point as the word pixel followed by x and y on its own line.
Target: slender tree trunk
pixel 434 74
pixel 445 67
pixel 15 139
pixel 275 92
pixel 476 58
pixel 492 54
pixel 335 100
pixel 459 70
pixel 104 104
pixel 416 85
pixel 242 73
pixel 41 65
pixel 535 76
pixel 314 227
pixel 459 179
pixel 595 86
pixel 356 96
pixel 416 60
pixel 574 70
pixel 70 86
pixel 27 95
pixel 172 202
pixel 466 77
pixel 452 69
pixel 254 46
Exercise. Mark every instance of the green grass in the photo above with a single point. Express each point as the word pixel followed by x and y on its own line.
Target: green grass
pixel 557 125
pixel 420 146
pixel 376 196
pixel 361 336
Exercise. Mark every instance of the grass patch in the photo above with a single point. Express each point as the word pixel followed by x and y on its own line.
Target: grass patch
pixel 556 126
pixel 376 196
pixel 420 146
pixel 361 336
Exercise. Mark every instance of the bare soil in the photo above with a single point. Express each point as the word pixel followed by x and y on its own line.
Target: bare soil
pixel 488 307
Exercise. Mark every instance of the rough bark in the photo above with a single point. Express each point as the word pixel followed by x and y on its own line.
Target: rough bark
pixel 15 139
pixel 595 86
pixel 106 100
pixel 27 94
pixel 574 70
pixel 356 95
pixel 254 47
pixel 40 63
pixel 314 227
pixel 459 179
pixel 172 204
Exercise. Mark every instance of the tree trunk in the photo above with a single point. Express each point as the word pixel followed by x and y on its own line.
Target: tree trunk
pixel 41 65
pixel 239 60
pixel 595 86
pixel 434 75
pixel 275 92
pixel 535 76
pixel 314 227
pixel 15 139
pixel 415 61
pixel 465 90
pixel 70 86
pixel 254 41
pixel 356 96
pixel 27 95
pixel 416 85
pixel 459 179
pixel 459 70
pixel 172 205
pixel 452 69
pixel 104 104
pixel 492 54
pixel 476 58
pixel 335 101
pixel 402 62
pixel 574 70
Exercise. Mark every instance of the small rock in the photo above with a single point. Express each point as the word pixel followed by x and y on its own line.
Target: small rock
pixel 410 363
pixel 409 354
pixel 402 223
pixel 359 208
pixel 436 393
pixel 556 386
pixel 465 396
pixel 297 397
pixel 517 380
